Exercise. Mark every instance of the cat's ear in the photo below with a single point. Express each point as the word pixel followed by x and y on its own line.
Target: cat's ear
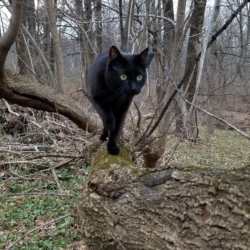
pixel 114 53
pixel 146 57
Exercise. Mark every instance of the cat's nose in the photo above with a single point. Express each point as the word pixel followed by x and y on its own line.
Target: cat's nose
pixel 134 90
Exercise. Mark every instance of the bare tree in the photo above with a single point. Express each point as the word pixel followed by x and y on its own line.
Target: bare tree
pixel 213 71
pixel 196 23
pixel 20 90
pixel 187 207
pixel 23 58
pixel 98 14
pixel 187 78
pixel 57 46
pixel 127 27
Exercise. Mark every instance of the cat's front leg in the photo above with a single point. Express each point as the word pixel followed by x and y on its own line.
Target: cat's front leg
pixel 104 135
pixel 108 120
pixel 114 135
pixel 112 147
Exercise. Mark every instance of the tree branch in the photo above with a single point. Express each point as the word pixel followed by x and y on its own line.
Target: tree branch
pixel 10 35
pixel 188 74
pixel 17 89
pixel 213 38
pixel 217 118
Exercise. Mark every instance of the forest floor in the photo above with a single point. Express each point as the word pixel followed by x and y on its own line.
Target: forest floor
pixel 42 175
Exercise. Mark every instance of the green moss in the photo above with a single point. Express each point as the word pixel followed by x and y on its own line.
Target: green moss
pixel 135 170
pixel 246 207
pixel 193 167
pixel 103 160
pixel 225 180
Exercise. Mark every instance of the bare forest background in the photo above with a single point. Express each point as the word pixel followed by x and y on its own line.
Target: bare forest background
pixel 59 40
pixel 193 111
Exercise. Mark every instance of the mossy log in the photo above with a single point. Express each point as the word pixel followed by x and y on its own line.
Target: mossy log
pixel 127 207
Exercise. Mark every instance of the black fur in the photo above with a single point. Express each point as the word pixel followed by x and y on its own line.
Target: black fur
pixel 112 81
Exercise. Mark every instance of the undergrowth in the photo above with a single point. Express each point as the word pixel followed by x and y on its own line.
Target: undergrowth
pixel 42 174
pixel 37 204
pixel 224 149
pixel 21 212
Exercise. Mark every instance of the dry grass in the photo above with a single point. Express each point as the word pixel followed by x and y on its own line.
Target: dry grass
pixel 225 149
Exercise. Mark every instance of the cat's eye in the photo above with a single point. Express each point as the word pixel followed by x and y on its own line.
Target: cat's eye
pixel 138 78
pixel 123 77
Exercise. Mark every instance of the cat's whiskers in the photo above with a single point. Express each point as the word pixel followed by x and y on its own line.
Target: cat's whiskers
pixel 113 97
pixel 120 101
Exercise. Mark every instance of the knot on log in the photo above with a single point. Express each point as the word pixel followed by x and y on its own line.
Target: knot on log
pixel 112 182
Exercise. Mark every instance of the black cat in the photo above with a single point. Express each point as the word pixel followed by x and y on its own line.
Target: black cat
pixel 112 81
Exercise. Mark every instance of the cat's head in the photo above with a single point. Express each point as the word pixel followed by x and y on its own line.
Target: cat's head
pixel 125 72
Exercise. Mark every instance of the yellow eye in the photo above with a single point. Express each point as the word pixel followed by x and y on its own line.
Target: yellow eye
pixel 138 78
pixel 123 77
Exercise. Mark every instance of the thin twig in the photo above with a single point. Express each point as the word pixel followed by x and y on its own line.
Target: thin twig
pixel 54 155
pixel 21 177
pixel 36 228
pixel 46 132
pixel 118 241
pixel 138 125
pixel 9 108
pixel 56 180
pixel 220 119
pixel 61 164
pixel 36 193
pixel 224 27
pixel 210 114
pixel 174 147
pixel 18 162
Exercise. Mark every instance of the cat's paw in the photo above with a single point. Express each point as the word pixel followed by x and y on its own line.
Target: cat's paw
pixel 113 150
pixel 103 137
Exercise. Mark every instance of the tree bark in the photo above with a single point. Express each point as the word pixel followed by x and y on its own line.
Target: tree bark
pixel 10 35
pixel 23 61
pixel 143 40
pixel 57 47
pixel 123 37
pixel 98 14
pixel 80 33
pixel 163 88
pixel 17 89
pixel 196 23
pixel 212 74
pixel 89 53
pixel 169 33
pixel 84 13
pixel 125 207
pixel 125 46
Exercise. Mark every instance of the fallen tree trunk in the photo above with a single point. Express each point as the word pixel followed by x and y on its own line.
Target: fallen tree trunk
pixel 127 207
pixel 18 89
